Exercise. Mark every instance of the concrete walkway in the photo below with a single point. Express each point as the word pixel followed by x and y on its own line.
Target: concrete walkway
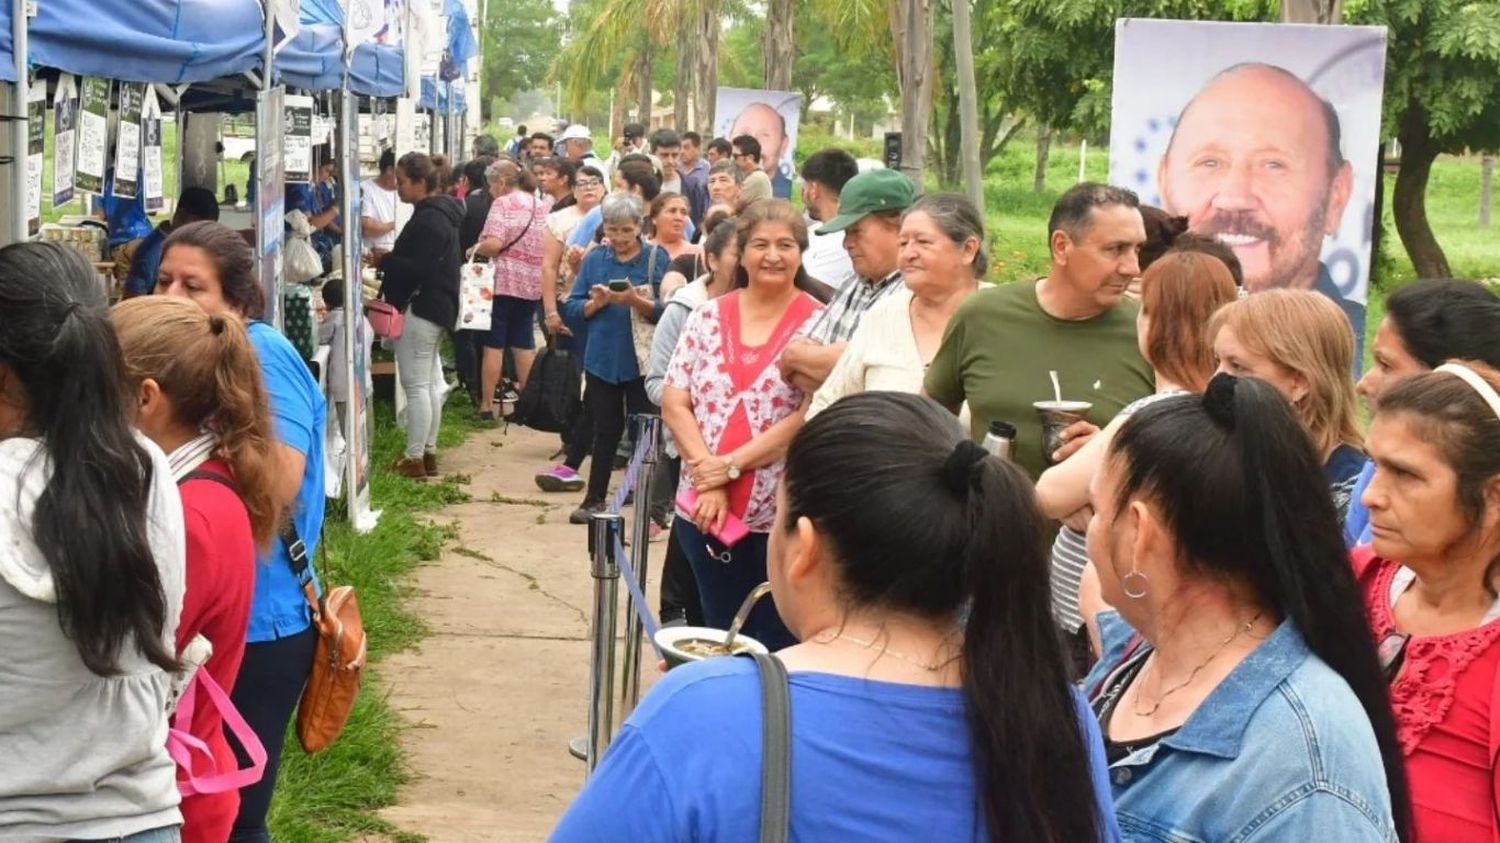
pixel 500 686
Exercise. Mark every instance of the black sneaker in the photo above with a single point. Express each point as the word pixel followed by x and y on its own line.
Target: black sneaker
pixel 582 514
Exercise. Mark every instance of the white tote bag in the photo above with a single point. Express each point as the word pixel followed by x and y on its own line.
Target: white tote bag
pixel 476 295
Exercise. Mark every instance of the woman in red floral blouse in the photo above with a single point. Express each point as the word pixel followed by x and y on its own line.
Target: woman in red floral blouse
pixel 1430 580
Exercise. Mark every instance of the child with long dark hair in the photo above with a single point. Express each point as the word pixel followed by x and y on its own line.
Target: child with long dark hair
pixel 91 569
pixel 905 725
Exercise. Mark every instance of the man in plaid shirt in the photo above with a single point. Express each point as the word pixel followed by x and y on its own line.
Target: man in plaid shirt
pixel 870 209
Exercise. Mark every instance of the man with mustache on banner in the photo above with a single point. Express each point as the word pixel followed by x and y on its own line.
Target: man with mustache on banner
pixel 1255 162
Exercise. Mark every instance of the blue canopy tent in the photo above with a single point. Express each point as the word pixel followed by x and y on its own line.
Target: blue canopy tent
pixel 315 57
pixel 166 41
pixel 7 46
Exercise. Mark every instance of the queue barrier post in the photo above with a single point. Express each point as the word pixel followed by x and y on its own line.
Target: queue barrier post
pixel 648 443
pixel 604 534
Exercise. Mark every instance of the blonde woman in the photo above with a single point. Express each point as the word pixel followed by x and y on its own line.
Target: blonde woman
pixel 1299 342
pixel 200 398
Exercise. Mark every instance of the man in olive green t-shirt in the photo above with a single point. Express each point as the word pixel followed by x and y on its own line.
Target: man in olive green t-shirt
pixel 1002 342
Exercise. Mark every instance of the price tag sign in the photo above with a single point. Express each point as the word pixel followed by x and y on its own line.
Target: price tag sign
pixel 93 134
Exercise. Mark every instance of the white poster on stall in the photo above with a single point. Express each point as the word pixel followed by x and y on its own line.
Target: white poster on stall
pixel 64 137
pixel 298 124
pixel 93 134
pixel 356 350
pixel 128 140
pixel 406 141
pixel 36 153
pixel 770 117
pixel 151 154
pixel 270 197
pixel 1265 136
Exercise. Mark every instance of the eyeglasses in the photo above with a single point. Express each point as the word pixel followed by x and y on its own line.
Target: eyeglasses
pixel 589 183
pixel 1392 653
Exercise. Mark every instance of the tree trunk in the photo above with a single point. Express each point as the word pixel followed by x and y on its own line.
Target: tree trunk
pixel 687 57
pixel 643 82
pixel 1043 153
pixel 968 103
pixel 911 26
pixel 778 50
pixel 619 106
pixel 1312 11
pixel 1409 199
pixel 706 68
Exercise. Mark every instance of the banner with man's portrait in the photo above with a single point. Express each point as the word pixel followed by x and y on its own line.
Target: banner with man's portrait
pixel 1265 136
pixel 771 117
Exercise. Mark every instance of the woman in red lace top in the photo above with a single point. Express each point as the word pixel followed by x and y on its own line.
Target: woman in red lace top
pixel 1430 580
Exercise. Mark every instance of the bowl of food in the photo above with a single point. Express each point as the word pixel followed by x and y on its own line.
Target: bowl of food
pixel 683 644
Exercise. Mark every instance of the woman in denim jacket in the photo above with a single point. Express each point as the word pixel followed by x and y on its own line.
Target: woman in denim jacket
pixel 1238 693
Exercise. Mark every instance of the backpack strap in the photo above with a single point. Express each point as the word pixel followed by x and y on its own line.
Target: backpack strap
pixel 776 750
pixel 211 476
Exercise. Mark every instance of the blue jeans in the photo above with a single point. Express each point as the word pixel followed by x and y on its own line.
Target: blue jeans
pixel 265 694
pixel 723 586
pixel 421 368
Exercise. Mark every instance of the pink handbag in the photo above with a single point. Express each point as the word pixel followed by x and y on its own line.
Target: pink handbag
pixel 385 319
pixel 182 746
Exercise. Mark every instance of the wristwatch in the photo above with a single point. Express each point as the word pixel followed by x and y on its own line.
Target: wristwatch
pixel 731 470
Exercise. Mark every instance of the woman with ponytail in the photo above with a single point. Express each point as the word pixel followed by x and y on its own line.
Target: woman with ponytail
pixel 905 725
pixel 1239 694
pixel 200 398
pixel 91 570
pixel 210 265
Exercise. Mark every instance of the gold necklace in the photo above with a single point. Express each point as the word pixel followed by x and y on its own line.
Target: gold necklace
pixel 929 666
pixel 1242 629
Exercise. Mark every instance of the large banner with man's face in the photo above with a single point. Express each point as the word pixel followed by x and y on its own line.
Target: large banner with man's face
pixel 1265 136
pixel 771 117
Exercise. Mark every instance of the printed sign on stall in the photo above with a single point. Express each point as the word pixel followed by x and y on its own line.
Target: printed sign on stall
pixel 298 116
pixel 36 153
pixel 93 134
pixel 64 137
pixel 128 140
pixel 151 156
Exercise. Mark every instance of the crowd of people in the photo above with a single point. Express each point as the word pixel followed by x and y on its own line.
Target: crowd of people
pixel 1206 602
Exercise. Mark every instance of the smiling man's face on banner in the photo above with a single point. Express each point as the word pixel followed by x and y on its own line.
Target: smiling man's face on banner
pixel 1254 161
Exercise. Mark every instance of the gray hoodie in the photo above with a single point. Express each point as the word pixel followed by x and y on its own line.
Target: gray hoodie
pixel 81 755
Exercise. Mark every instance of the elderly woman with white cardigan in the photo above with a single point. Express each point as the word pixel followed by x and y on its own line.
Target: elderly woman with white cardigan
pixel 942 261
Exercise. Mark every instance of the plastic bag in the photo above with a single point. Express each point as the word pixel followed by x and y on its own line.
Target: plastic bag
pixel 301 262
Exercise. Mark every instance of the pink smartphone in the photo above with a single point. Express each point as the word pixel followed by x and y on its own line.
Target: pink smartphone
pixel 733 530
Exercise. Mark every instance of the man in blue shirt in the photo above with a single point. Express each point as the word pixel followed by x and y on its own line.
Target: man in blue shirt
pixel 196 204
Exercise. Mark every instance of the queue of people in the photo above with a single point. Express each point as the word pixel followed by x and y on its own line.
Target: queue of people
pixel 1237 674
pixel 1202 601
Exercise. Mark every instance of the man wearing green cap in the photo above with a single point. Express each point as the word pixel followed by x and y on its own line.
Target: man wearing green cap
pixel 870 209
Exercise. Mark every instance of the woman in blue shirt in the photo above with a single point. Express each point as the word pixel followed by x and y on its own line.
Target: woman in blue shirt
pixel 615 386
pixel 212 265
pixel 1239 692
pixel 1426 324
pixel 905 725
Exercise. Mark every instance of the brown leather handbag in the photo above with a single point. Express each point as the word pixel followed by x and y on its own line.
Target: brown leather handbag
pixel 339 661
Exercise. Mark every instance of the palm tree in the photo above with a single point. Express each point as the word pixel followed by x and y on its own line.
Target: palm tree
pixel 624 34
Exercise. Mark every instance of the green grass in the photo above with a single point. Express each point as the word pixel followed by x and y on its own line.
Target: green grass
pixel 332 796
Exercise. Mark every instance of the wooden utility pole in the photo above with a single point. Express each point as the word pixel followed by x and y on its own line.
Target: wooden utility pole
pixel 968 105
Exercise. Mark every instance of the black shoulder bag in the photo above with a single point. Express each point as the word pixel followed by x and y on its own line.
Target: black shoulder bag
pixel 775 751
